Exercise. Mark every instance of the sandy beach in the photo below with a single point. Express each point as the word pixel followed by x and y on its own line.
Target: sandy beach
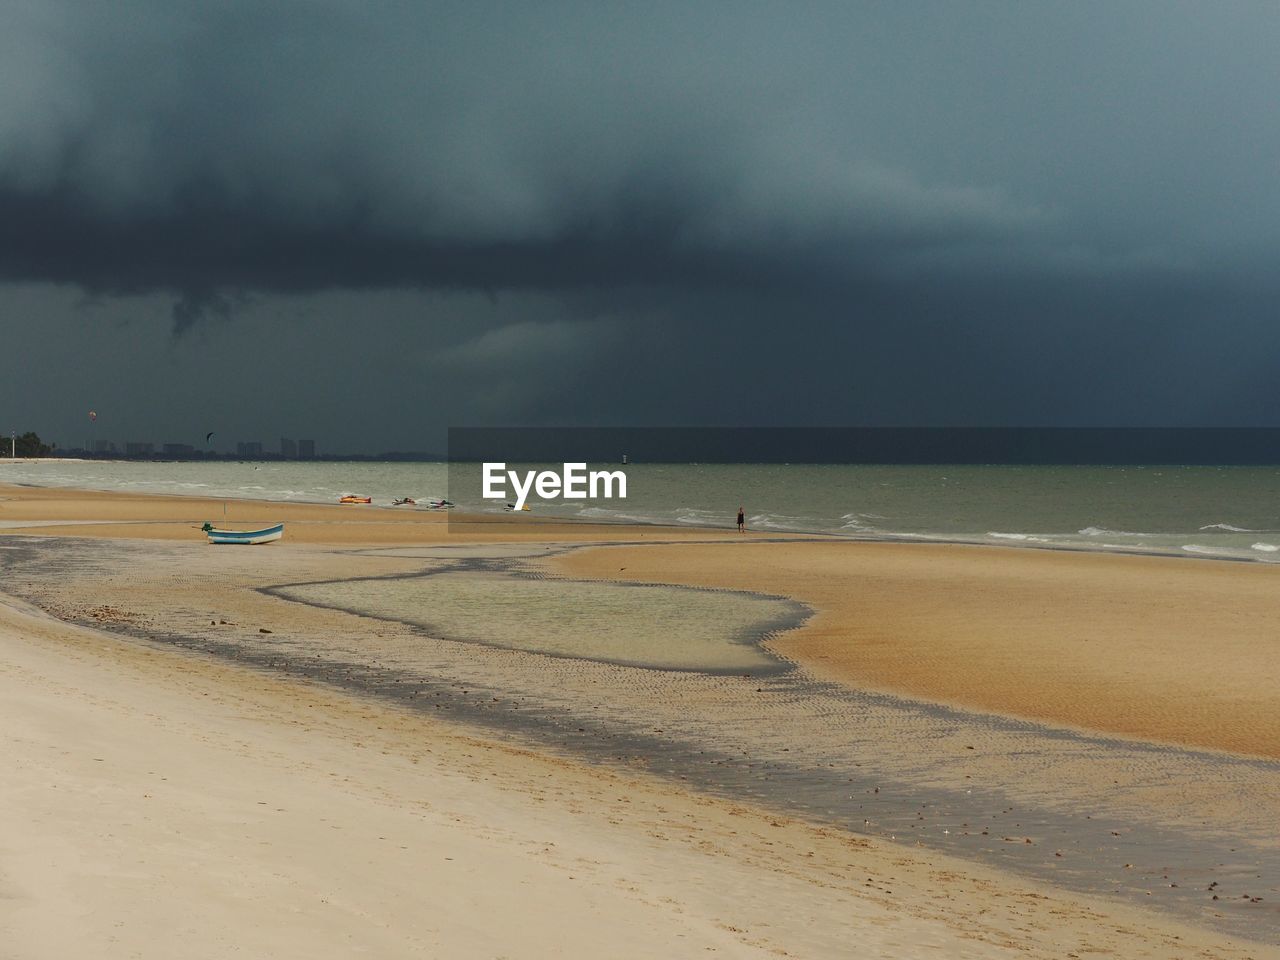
pixel 216 750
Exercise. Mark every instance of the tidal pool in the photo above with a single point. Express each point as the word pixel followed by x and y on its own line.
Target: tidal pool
pixel 672 628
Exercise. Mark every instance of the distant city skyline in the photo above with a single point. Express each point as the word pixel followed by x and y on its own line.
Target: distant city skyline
pixel 287 447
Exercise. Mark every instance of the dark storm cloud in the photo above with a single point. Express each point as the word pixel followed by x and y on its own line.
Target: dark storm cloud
pixel 926 212
pixel 293 147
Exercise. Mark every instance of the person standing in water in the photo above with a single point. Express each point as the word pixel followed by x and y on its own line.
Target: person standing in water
pixel 742 521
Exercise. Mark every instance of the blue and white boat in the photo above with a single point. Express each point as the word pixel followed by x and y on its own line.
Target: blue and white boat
pixel 265 535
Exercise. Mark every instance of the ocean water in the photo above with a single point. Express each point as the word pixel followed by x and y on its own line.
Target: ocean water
pixel 1221 512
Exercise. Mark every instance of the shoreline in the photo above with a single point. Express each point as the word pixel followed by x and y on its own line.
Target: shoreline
pixel 521 524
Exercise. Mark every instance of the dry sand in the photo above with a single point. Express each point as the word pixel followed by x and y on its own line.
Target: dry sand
pixel 161 803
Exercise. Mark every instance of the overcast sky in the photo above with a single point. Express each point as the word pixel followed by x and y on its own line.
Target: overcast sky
pixel 363 222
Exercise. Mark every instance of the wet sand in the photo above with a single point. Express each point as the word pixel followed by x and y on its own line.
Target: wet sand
pixel 1168 649
pixel 353 705
pixel 1173 650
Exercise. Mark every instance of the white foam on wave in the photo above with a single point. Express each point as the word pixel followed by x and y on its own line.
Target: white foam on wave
pixel 1266 547
pixel 1229 528
pixel 703 518
pixel 597 512
pixel 1196 548
pixel 1104 532
pixel 603 513
pixel 858 525
pixel 771 521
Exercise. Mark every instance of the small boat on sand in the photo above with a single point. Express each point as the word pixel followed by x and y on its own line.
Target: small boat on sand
pixel 265 535
pixel 352 498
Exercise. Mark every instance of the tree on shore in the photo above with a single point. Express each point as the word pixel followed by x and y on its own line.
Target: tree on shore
pixel 26 445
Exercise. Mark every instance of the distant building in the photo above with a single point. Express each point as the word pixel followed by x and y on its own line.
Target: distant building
pixel 306 449
pixel 138 448
pixel 178 449
pixel 248 448
pixel 104 446
pixel 288 448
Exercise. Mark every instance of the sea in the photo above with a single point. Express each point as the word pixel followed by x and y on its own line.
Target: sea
pixel 1227 512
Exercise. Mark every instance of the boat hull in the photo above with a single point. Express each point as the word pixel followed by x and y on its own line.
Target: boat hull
pixel 266 535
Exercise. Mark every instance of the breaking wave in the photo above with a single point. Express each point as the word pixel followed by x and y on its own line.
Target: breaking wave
pixel 1019 537
pixel 860 521
pixel 1104 532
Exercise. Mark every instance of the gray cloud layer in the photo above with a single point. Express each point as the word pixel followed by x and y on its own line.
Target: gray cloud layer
pixel 894 179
